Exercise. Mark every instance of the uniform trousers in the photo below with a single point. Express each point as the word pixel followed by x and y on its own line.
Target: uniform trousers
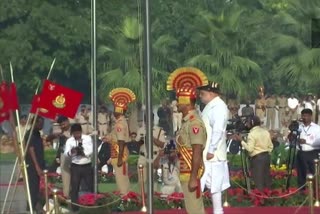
pixel 260 166
pixel 271 115
pixel 193 204
pixel 65 174
pixel 122 178
pixel 80 173
pixel 103 129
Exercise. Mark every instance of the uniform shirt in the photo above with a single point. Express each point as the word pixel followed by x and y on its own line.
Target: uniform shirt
pixel 293 103
pixel 309 105
pixel 192 130
pixel 120 130
pixel 259 140
pixel 87 149
pixel 271 102
pixel 318 104
pixel 215 118
pixel 158 133
pixel 282 102
pixel 102 118
pixel 260 103
pixel 311 134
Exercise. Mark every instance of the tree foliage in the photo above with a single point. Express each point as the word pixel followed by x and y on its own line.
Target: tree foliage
pixel 240 43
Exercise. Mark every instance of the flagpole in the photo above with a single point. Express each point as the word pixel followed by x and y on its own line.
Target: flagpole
pixel 23 136
pixel 22 161
pixel 149 127
pixel 94 90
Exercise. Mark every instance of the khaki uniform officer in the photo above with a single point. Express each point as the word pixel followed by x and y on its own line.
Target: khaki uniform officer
pixel 191 138
pixel 271 112
pixel 121 97
pixel 260 105
pixel 158 143
pixel 103 121
pixel 282 103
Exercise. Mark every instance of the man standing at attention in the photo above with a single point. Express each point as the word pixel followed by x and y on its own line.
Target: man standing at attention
pixel 121 97
pixel 215 117
pixel 191 138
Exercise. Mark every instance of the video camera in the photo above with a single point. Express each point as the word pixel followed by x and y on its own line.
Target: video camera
pixel 79 149
pixel 236 125
pixel 294 127
pixel 171 146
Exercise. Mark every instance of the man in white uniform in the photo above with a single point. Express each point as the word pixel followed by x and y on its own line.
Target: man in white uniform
pixel 293 104
pixel 215 116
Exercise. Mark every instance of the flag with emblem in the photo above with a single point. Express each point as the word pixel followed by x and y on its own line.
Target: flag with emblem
pixel 60 99
pixel 36 109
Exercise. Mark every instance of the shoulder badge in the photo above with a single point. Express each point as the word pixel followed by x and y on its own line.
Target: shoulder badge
pixel 195 130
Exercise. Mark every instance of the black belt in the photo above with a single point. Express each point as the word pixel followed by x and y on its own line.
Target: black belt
pixel 83 123
pixel 103 123
pixel 81 165
pixel 142 153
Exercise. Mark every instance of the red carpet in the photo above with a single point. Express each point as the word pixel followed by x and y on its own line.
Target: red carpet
pixel 245 210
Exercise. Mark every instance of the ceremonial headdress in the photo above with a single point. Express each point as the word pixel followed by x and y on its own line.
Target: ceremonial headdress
pixel 121 97
pixel 185 81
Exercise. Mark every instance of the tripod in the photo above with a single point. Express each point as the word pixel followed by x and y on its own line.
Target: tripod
pixel 293 143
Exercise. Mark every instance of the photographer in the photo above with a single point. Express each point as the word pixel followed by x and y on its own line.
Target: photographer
pixel 168 159
pixel 309 147
pixel 259 146
pixel 79 148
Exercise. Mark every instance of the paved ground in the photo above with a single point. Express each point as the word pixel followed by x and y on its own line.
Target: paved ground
pixel 19 201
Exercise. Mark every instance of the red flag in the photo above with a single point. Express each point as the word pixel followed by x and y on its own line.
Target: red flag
pixel 4 98
pixel 41 111
pixel 14 102
pixel 59 99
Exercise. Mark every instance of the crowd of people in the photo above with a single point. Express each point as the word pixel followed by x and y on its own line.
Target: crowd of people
pixel 189 143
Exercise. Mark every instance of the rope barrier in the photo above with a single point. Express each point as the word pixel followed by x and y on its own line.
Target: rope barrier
pixel 267 197
pixel 92 207
pixel 301 205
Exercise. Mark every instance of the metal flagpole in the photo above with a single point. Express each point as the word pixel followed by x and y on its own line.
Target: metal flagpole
pixel 148 88
pixel 94 89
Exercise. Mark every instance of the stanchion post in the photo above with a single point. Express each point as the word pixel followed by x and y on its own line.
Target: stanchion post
pixel 226 203
pixel 55 201
pixel 143 197
pixel 45 172
pixel 310 185
pixel 316 182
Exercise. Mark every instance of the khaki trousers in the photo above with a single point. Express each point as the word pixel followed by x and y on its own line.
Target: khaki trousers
pixel 193 204
pixel 65 162
pixel 103 129
pixel 271 115
pixel 282 112
pixel 122 180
